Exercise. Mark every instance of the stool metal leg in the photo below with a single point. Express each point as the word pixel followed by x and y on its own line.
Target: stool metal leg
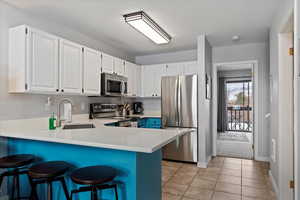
pixel 94 193
pixel 49 191
pixel 116 191
pixel 13 187
pixel 1 179
pixel 33 194
pixel 18 186
pixel 64 185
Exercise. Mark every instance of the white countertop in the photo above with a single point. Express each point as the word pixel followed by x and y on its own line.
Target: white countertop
pixel 118 138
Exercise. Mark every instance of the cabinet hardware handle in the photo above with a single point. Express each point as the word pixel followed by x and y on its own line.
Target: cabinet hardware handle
pixel 62 90
pixel 57 90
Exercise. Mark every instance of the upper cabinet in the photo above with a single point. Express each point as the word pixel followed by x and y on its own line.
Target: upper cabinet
pixel 33 61
pixel 191 68
pixel 112 64
pixel 151 80
pixel 70 63
pixel 174 69
pixel 107 63
pixel 133 73
pixel 119 66
pixel 91 72
pixel 43 61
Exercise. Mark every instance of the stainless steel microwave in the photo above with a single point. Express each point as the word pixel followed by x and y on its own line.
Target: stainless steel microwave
pixel 113 85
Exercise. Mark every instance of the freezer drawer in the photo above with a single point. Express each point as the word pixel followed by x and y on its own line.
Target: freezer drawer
pixel 184 148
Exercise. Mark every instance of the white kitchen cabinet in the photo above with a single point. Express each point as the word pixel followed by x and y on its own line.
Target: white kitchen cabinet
pixel 151 80
pixel 174 69
pixel 119 66
pixel 107 63
pixel 33 61
pixel 138 80
pixel 133 73
pixel 191 68
pixel 71 55
pixel 91 72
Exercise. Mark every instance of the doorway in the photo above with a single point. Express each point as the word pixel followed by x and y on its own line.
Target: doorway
pixel 235 112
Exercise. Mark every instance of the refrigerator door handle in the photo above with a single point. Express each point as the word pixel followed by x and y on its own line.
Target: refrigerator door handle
pixel 179 101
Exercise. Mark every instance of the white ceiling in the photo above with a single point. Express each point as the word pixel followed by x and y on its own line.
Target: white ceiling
pixel 184 20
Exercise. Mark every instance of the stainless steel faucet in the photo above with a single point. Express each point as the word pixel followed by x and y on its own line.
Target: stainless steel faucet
pixel 62 101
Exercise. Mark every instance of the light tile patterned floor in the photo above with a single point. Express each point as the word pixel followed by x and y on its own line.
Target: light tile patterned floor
pixel 224 179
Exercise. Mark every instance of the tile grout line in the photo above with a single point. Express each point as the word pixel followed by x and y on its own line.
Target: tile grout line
pixel 189 185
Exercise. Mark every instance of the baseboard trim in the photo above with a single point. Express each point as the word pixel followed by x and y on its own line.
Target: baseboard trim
pixel 260 158
pixel 204 164
pixel 274 185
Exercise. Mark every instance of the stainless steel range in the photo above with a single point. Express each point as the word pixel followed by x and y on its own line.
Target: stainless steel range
pixel 99 110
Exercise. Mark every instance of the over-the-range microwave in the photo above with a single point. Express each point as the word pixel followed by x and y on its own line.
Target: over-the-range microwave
pixel 113 85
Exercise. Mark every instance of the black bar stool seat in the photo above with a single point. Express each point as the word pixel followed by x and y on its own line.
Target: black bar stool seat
pixel 16 165
pixel 48 169
pixel 96 178
pixel 48 172
pixel 18 160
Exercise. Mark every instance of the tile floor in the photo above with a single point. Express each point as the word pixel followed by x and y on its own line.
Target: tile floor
pixel 224 179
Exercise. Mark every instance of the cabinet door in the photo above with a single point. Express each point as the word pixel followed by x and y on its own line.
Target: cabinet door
pixel 148 74
pixel 70 67
pixel 174 69
pixel 159 71
pixel 119 67
pixel 130 73
pixel 151 80
pixel 138 87
pixel 91 72
pixel 43 62
pixel 107 63
pixel 191 68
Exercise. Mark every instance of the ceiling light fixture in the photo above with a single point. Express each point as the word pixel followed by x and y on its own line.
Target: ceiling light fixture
pixel 144 24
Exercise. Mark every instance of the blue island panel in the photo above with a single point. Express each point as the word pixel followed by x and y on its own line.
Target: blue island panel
pixel 139 174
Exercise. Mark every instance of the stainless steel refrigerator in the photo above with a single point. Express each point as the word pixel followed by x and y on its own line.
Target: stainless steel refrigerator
pixel 179 109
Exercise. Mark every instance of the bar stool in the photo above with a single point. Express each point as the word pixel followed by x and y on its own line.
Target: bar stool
pixel 16 166
pixel 96 178
pixel 48 172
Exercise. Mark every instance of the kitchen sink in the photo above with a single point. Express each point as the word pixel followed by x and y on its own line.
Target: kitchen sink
pixel 78 126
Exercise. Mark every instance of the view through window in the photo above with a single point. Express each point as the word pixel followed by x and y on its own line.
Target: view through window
pixel 239 105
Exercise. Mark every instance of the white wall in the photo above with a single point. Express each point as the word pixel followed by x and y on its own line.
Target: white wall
pixel 259 52
pixel 13 106
pixel 280 19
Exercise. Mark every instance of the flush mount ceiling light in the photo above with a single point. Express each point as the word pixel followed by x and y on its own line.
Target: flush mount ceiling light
pixel 144 24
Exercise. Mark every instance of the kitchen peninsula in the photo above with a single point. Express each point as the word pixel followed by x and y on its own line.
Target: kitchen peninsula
pixel 134 152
